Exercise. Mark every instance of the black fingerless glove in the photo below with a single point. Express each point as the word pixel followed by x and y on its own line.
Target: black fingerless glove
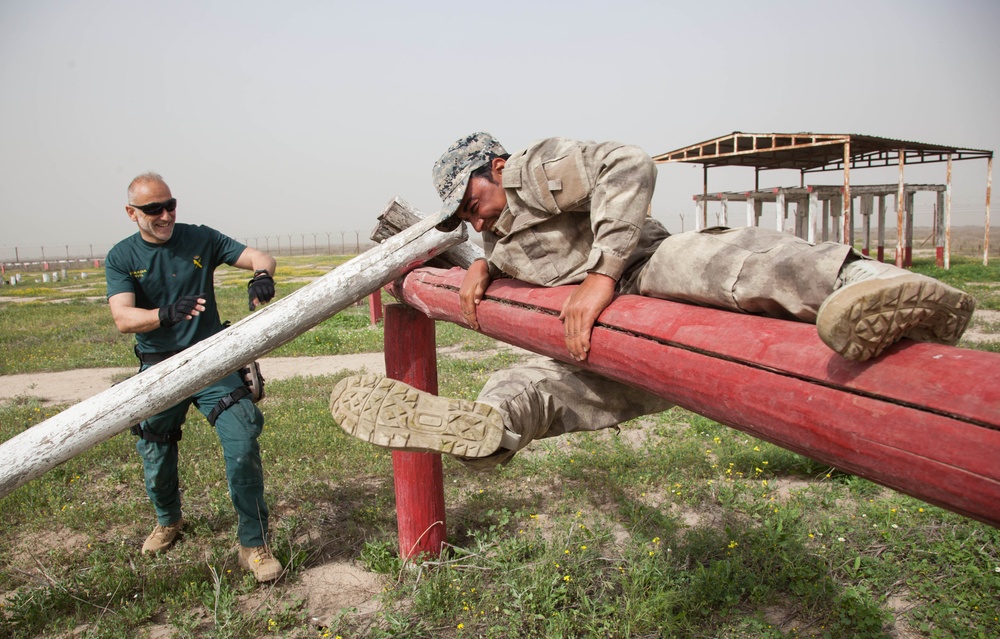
pixel 261 288
pixel 178 311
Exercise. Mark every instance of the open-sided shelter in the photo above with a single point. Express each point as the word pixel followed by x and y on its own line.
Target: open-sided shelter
pixel 818 152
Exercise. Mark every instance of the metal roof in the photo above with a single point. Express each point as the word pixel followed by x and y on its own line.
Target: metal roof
pixel 813 152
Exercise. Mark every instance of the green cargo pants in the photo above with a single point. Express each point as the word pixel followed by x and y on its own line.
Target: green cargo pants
pixel 238 429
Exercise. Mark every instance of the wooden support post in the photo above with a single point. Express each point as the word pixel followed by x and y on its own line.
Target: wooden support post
pixel 813 215
pixel 923 419
pixel 899 212
pixel 411 357
pixel 947 218
pixel 826 221
pixel 881 228
pixel 908 250
pixel 939 229
pixel 704 192
pixel 837 210
pixel 866 221
pixel 84 425
pixel 847 223
pixel 375 307
pixel 800 219
pixel 780 210
pixel 986 224
pixel 850 227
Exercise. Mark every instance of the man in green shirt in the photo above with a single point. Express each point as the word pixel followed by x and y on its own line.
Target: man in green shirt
pixel 160 287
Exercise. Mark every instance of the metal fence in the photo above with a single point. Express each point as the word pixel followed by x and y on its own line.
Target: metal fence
pixel 51 257
pixel 967 241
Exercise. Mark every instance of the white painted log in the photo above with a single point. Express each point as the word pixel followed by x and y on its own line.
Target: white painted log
pixel 399 215
pixel 780 211
pixel 813 215
pixel 84 425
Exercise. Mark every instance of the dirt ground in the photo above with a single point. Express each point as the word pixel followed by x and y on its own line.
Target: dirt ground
pixel 329 588
pixel 71 387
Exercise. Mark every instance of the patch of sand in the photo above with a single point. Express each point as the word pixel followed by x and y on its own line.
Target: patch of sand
pixel 71 387
pixel 329 589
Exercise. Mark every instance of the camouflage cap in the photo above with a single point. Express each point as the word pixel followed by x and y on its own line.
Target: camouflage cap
pixel 452 170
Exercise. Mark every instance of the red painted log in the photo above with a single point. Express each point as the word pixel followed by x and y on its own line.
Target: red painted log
pixel 923 419
pixel 411 357
pixel 375 307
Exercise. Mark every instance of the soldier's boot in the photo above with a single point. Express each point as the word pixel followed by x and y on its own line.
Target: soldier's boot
pixel 877 304
pixel 162 538
pixel 389 413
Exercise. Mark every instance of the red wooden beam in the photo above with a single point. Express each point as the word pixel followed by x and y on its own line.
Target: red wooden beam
pixel 923 419
pixel 411 357
pixel 375 307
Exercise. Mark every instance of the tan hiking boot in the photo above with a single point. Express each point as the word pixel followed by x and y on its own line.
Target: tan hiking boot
pixel 389 413
pixel 864 317
pixel 162 537
pixel 260 562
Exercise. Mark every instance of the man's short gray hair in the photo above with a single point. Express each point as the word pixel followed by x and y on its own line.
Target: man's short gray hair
pixel 143 178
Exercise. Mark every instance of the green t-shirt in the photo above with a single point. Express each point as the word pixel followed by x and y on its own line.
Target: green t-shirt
pixel 159 274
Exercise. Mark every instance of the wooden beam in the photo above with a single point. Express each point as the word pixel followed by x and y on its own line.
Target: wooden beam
pixel 899 213
pixel 84 425
pixel 411 357
pixel 986 224
pixel 947 219
pixel 923 419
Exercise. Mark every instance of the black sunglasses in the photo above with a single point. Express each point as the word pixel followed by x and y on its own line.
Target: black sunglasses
pixel 157 208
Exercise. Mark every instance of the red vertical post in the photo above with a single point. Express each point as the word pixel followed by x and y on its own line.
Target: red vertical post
pixel 375 307
pixel 411 357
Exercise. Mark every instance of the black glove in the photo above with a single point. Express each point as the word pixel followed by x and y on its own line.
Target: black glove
pixel 179 310
pixel 261 288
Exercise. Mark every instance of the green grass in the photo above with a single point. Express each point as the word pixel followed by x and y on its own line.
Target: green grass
pixel 72 329
pixel 675 527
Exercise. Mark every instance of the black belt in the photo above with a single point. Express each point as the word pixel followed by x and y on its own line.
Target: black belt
pixel 153 358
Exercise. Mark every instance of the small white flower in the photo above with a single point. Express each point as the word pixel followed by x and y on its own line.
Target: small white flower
pixel 997 569
pixel 840 539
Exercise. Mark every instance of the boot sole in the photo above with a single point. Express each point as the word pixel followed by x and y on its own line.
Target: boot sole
pixel 391 414
pixel 861 320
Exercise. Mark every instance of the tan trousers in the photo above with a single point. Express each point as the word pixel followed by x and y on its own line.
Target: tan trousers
pixel 749 270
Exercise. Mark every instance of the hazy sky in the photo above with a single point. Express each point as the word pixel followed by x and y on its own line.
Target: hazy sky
pixel 302 117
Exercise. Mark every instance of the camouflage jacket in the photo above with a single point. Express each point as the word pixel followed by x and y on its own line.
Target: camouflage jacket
pixel 575 208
